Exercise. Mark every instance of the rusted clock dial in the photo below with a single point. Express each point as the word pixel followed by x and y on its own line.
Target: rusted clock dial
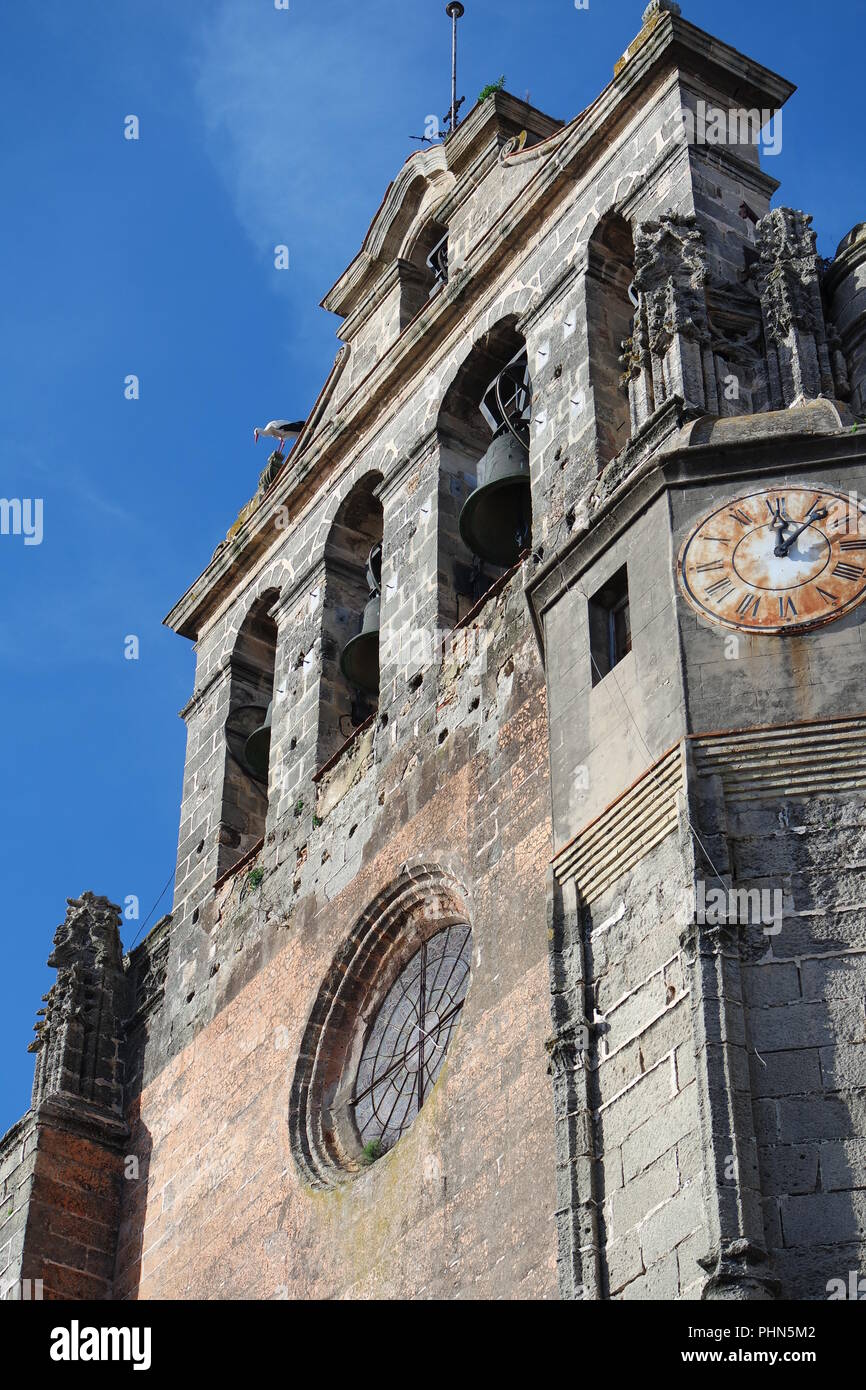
pixel 780 559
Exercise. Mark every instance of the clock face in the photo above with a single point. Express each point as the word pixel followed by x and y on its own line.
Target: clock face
pixel 780 559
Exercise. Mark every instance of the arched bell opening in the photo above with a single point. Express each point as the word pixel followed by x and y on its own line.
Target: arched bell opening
pixel 610 319
pixel 485 507
pixel 350 625
pixel 427 255
pixel 248 733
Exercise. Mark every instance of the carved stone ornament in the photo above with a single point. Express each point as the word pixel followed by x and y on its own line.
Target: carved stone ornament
pixel 78 1035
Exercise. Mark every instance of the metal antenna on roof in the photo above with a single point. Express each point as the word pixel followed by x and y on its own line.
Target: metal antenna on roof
pixel 454 10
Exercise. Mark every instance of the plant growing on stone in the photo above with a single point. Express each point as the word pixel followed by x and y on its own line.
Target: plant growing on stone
pixel 255 876
pixel 371 1151
pixel 491 88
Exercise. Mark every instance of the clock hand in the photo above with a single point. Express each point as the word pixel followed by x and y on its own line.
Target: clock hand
pixel 784 545
pixel 779 522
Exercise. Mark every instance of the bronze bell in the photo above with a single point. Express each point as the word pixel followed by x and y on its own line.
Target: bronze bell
pixel 496 519
pixel 359 659
pixel 257 749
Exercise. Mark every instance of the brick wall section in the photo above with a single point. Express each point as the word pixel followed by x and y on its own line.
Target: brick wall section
pixel 463 1205
pixel 72 1223
pixel 61 1197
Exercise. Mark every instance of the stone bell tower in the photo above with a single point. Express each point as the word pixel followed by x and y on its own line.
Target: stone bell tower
pixel 517 946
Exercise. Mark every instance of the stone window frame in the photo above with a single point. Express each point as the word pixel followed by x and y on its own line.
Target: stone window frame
pixel 422 901
pixel 609 644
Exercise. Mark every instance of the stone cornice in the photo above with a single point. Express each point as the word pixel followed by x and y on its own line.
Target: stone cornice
pixel 743 169
pixel 83 1119
pixel 749 82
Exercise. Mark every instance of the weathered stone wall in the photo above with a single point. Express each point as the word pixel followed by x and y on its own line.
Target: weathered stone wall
pixel 802 1029
pixel 643 1089
pixel 603 735
pixel 748 1135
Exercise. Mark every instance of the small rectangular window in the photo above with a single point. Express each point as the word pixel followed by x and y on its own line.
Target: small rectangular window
pixel 609 625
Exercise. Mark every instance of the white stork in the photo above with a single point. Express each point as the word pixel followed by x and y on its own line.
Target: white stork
pixel 283 430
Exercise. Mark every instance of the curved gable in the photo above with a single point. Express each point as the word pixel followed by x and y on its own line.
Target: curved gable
pixel 410 201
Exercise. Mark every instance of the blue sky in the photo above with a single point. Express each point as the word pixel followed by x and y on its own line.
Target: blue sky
pixel 154 257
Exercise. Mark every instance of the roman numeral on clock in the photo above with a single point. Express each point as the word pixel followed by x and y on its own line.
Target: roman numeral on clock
pixel 710 565
pixel 786 607
pixel 742 517
pixel 720 589
pixel 825 593
pixel 747 602
pixel 846 571
pixel 852 545
pixel 851 517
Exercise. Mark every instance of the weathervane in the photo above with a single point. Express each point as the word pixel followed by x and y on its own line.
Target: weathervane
pixel 454 10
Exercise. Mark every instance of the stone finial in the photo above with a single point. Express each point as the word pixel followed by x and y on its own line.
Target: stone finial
pixel 786 234
pixel 800 357
pixel 665 355
pixel 89 934
pixel 78 1037
pixel 659 7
